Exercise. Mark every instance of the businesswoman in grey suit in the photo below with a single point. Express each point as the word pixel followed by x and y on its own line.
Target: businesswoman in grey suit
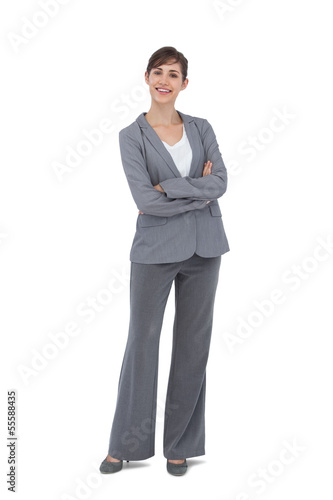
pixel 175 173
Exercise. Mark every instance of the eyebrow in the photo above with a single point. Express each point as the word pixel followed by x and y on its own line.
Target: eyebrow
pixel 170 70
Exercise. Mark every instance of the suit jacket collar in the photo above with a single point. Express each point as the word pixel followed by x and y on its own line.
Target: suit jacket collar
pixel 156 142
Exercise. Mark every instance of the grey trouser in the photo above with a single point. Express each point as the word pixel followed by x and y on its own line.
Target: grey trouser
pixel 133 430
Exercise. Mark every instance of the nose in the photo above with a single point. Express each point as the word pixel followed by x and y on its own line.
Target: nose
pixel 164 80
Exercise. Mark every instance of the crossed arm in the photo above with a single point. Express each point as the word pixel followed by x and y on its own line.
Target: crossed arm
pixel 170 198
pixel 206 171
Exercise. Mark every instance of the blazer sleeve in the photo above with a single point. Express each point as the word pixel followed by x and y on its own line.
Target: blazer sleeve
pixel 206 187
pixel 146 197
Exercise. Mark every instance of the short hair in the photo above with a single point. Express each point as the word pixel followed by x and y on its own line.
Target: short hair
pixel 168 55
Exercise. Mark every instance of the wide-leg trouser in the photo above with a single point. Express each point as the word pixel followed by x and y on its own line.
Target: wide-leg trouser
pixel 133 429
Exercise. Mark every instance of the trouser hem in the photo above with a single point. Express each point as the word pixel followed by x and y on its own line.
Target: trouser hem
pixel 130 458
pixel 185 454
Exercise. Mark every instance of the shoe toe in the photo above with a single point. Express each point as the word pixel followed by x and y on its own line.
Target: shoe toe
pixel 110 467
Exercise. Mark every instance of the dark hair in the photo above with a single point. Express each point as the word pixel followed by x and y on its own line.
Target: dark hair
pixel 168 55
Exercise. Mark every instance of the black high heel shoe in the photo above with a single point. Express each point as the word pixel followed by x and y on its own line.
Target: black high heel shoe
pixel 107 467
pixel 177 469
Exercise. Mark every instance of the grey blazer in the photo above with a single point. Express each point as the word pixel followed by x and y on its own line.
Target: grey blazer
pixel 178 222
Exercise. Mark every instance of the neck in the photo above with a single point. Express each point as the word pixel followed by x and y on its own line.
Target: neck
pixel 163 115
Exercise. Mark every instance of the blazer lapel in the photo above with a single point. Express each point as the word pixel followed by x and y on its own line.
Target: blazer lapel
pixel 156 142
pixel 192 134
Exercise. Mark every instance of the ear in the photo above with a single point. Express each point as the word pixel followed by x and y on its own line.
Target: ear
pixel 184 84
pixel 146 77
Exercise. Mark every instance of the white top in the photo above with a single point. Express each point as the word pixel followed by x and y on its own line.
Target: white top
pixel 181 153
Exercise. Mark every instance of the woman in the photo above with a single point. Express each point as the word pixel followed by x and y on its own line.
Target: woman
pixel 175 173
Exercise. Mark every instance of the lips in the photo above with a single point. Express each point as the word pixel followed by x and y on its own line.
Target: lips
pixel 160 90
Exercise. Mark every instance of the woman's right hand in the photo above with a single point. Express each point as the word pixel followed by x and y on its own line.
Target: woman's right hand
pixel 207 168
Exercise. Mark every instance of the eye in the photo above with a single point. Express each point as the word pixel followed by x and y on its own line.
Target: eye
pixel 157 72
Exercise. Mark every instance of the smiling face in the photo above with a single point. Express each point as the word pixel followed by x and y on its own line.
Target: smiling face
pixel 165 82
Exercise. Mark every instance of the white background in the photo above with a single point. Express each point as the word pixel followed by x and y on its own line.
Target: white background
pixel 63 241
